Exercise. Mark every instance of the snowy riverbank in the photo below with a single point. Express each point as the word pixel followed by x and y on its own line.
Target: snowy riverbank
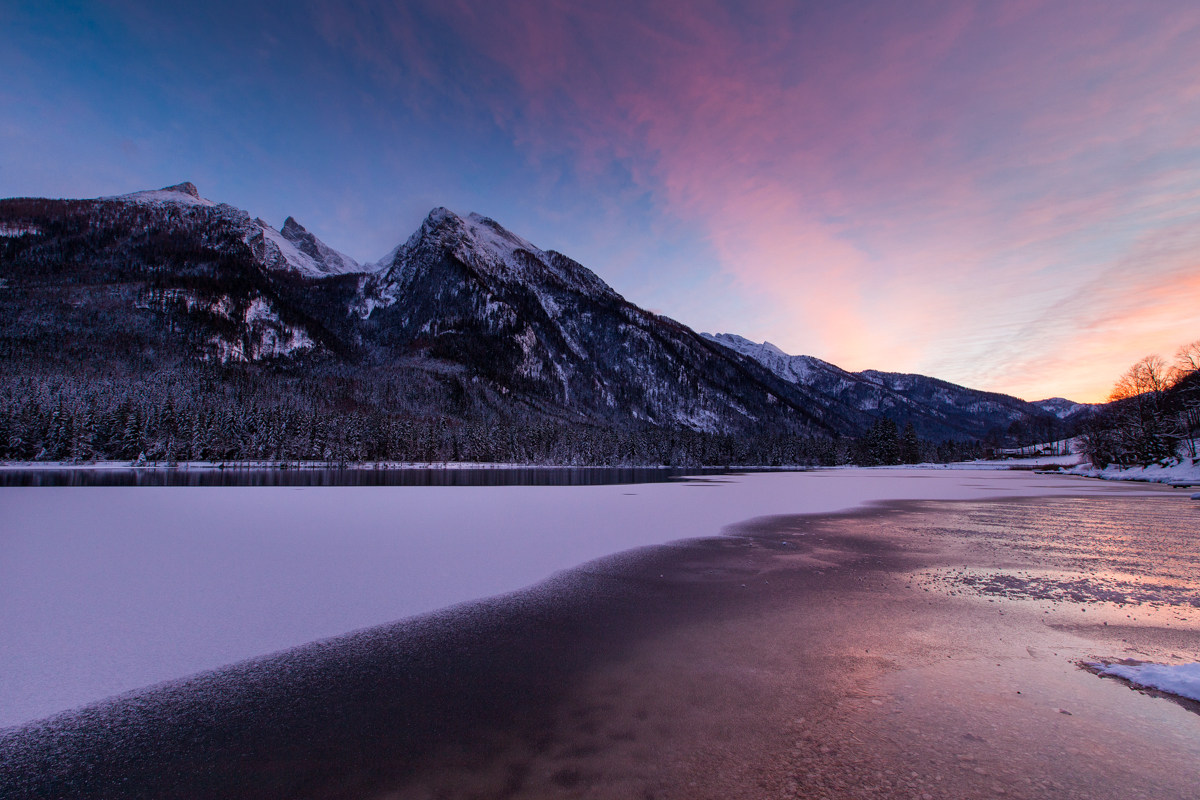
pixel 1176 471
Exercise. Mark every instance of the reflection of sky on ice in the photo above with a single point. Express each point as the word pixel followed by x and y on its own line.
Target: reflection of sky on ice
pixel 1062 552
pixel 110 589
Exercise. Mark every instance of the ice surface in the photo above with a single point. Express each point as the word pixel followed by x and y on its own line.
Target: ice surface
pixel 104 590
pixel 1180 679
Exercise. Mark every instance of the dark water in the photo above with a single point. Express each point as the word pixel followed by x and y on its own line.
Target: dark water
pixel 353 476
pixel 744 666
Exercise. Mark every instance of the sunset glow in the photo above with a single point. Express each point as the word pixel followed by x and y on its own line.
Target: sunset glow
pixel 1001 194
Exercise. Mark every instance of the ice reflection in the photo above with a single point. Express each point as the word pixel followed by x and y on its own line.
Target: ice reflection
pixel 1120 552
pixel 239 475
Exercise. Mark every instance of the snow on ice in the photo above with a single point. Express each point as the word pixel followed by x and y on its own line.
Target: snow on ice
pixel 105 590
pixel 1177 679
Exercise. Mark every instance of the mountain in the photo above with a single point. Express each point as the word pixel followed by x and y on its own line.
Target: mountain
pixel 937 409
pixel 1065 409
pixel 324 259
pixel 168 299
pixel 291 249
pixel 544 328
pixel 464 319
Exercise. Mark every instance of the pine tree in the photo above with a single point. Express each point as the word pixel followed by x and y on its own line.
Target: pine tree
pixel 910 445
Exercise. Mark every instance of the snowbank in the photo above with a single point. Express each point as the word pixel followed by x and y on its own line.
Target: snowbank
pixel 1179 679
pixel 1182 471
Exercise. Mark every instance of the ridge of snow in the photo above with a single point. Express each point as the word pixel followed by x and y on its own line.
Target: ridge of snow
pixel 489 248
pixel 1061 407
pixel 328 260
pixel 796 369
pixel 183 194
pixel 292 258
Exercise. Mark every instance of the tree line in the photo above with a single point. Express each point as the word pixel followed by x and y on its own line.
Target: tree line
pixel 49 418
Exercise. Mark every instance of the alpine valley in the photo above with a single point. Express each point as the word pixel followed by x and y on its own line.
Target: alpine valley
pixel 161 325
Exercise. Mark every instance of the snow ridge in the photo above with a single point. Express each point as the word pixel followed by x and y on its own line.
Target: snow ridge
pixel 183 194
pixel 323 257
pixel 492 251
pixel 1061 407
pixel 797 369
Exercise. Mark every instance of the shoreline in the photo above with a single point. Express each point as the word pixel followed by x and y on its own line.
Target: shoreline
pixel 797 655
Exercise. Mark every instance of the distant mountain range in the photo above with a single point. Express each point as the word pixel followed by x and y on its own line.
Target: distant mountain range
pixel 464 319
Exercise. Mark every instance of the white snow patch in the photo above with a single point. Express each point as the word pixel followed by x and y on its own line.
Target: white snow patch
pixel 173 195
pixel 260 310
pixel 223 307
pixel 268 335
pixel 1183 471
pixel 802 370
pixel 292 259
pixel 1178 679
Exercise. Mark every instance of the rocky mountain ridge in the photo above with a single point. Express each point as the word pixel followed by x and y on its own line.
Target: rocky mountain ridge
pixel 464 318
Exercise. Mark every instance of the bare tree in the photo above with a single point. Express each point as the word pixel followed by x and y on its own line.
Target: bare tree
pixel 1185 376
pixel 1187 359
pixel 1142 429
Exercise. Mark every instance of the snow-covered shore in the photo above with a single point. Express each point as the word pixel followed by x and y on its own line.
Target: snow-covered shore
pixel 1176 471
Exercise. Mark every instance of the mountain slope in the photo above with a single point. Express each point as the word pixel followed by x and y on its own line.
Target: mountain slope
pixel 544 328
pixel 937 409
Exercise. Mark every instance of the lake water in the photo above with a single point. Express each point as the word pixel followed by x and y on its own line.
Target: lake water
pixel 241 475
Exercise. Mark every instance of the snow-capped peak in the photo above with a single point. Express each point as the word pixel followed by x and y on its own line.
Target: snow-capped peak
pixel 491 235
pixel 324 257
pixel 491 250
pixel 797 369
pixel 184 194
pixel 276 251
pixel 1062 407
pixel 481 242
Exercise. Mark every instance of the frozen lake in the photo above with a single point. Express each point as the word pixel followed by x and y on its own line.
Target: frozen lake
pixel 109 589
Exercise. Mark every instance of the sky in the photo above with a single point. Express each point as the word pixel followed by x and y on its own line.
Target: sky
pixel 1002 193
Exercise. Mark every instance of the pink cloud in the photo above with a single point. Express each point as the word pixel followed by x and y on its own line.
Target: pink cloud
pixel 907 186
